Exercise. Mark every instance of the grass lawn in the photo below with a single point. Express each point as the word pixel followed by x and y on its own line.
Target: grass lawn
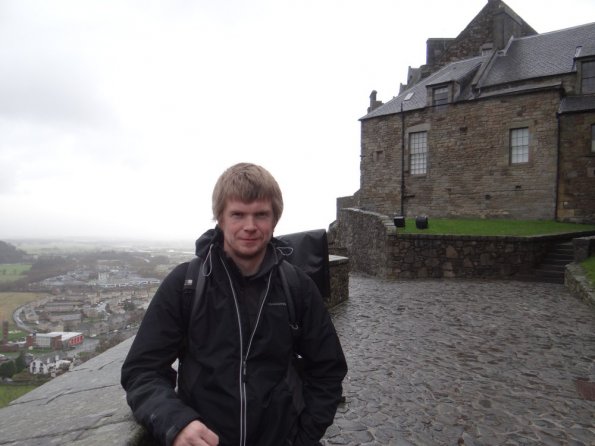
pixel 9 393
pixel 10 272
pixel 10 301
pixel 589 266
pixel 520 228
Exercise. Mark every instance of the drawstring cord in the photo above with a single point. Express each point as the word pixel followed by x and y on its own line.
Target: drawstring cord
pixel 209 259
pixel 285 251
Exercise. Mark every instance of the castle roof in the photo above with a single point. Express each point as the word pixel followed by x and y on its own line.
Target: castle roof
pixel 542 55
pixel 524 61
pixel 416 96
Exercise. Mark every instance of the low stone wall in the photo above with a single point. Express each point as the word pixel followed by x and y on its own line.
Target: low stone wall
pixel 575 279
pixel 84 407
pixel 422 256
pixel 339 272
pixel 583 248
pixel 87 406
pixel 363 234
pixel 376 247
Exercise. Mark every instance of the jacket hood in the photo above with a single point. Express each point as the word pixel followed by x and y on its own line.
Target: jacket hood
pixel 213 238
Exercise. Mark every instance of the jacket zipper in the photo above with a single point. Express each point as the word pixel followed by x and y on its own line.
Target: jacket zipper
pixel 244 356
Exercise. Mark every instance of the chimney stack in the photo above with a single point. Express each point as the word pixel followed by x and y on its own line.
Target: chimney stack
pixel 374 104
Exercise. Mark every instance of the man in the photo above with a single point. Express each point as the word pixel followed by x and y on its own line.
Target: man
pixel 235 380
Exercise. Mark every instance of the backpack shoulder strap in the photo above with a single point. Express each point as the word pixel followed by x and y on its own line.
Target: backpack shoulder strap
pixel 291 286
pixel 194 286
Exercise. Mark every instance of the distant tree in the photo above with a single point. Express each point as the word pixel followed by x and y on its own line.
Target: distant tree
pixel 108 343
pixel 50 266
pixel 7 369
pixel 10 254
pixel 20 363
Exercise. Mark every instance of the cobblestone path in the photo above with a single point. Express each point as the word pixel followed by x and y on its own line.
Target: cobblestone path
pixel 464 362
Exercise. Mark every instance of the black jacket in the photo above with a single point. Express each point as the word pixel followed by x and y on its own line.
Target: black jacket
pixel 234 372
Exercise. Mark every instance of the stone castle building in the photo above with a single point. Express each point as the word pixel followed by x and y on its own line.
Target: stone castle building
pixel 499 123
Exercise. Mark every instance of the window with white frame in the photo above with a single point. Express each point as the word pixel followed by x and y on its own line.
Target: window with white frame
pixel 519 145
pixel 418 153
pixel 588 77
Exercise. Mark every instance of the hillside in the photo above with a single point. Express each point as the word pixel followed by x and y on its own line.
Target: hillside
pixel 10 254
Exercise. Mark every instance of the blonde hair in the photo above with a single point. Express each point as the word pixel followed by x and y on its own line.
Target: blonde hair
pixel 246 182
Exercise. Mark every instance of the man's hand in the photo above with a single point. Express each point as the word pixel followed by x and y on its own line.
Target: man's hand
pixel 196 434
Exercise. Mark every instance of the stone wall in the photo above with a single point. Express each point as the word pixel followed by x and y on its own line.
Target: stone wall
pixel 84 407
pixel 575 279
pixel 469 173
pixel 494 24
pixel 366 230
pixel 376 247
pixel 339 269
pixel 577 169
pixel 584 247
pixel 421 256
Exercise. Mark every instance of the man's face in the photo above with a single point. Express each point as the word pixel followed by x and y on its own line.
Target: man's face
pixel 247 229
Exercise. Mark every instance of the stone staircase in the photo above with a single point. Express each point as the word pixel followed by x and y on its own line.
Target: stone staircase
pixel 554 264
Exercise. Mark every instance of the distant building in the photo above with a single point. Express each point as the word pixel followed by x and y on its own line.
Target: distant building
pixel 40 367
pixel 63 306
pixel 64 317
pixel 57 340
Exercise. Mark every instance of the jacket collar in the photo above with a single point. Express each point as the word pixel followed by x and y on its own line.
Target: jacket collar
pixel 212 241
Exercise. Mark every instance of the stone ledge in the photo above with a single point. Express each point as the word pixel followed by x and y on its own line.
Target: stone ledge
pixel 583 247
pixel 377 248
pixel 575 279
pixel 86 406
pixel 339 278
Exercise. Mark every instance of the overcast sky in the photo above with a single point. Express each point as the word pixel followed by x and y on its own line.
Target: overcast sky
pixel 117 116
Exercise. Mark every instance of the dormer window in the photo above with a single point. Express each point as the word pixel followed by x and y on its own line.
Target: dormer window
pixel 440 96
pixel 588 77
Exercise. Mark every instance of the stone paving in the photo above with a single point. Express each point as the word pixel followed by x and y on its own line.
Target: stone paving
pixel 474 363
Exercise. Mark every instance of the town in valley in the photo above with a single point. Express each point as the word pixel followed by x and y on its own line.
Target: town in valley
pixel 70 300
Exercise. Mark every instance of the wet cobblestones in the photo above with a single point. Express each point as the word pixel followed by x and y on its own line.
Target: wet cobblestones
pixel 457 362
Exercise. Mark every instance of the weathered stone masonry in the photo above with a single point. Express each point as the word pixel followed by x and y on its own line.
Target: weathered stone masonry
pixel 377 248
pixel 577 168
pixel 575 277
pixel 469 171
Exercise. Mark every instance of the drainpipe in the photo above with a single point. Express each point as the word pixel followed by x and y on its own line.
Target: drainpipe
pixel 402 161
pixel 557 197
